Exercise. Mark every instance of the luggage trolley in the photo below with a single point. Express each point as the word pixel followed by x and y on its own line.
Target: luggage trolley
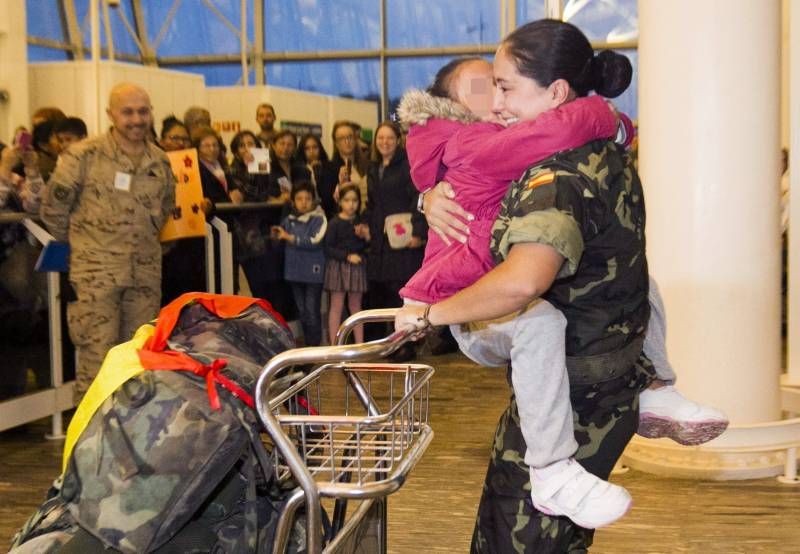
pixel 351 429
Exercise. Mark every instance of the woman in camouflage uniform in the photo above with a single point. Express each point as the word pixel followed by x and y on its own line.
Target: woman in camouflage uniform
pixel 570 230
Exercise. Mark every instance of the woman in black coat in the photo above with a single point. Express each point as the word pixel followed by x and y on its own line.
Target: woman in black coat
pixel 390 191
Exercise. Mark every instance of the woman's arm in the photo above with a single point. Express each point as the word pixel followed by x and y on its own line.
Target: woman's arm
pixel 523 276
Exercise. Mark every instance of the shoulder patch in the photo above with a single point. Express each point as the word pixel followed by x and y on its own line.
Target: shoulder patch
pixel 539 180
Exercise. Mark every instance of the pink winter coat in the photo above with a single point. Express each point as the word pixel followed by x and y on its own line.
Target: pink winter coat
pixel 446 143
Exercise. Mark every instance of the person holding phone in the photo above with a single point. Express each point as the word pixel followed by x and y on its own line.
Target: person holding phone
pixel 348 160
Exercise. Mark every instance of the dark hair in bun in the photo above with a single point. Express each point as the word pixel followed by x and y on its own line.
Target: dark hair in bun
pixel 548 49
pixel 611 73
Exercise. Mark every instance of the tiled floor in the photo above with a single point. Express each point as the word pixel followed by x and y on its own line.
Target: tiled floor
pixel 434 511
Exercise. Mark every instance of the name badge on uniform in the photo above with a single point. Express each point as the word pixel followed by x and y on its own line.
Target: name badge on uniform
pixel 122 181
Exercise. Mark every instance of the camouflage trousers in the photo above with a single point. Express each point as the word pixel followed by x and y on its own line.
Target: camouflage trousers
pixel 103 315
pixel 605 416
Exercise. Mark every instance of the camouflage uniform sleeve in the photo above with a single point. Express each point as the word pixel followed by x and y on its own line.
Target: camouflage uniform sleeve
pixel 549 211
pixel 62 193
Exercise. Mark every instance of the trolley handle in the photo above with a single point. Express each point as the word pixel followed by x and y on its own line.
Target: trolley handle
pixel 364 316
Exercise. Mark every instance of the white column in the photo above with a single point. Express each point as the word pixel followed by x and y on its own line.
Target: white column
pixel 792 138
pixel 709 100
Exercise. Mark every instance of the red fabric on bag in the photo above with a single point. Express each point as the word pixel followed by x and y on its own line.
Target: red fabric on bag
pixel 154 355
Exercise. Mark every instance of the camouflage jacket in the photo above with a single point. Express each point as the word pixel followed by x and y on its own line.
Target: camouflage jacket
pixel 588 204
pixel 109 210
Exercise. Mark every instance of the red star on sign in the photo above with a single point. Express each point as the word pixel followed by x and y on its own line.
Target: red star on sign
pixel 187 161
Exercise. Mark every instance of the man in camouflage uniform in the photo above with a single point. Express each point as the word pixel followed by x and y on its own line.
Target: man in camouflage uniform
pixel 588 205
pixel 109 197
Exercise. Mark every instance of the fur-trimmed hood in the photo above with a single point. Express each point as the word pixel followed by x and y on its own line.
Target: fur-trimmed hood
pixel 417 107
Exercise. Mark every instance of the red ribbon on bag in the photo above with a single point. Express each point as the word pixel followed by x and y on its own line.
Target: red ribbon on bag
pixel 154 355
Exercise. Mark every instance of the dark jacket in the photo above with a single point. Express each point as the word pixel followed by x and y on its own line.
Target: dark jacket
pixel 212 188
pixel 392 193
pixel 326 177
pixel 341 239
pixel 252 226
pixel 305 259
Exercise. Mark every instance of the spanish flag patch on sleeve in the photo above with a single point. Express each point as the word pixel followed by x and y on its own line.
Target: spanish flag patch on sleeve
pixel 539 180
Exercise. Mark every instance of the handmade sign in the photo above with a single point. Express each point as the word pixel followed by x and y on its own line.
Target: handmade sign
pixel 187 218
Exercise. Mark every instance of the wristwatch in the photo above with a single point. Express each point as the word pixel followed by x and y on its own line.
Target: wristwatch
pixel 421 200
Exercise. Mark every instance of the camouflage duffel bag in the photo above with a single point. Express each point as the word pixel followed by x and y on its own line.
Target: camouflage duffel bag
pixel 172 461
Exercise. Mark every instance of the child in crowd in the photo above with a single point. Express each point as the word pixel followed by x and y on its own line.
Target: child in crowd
pixel 303 230
pixel 455 137
pixel 345 271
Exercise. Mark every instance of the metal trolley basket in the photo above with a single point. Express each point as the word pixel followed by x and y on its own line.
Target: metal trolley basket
pixel 347 430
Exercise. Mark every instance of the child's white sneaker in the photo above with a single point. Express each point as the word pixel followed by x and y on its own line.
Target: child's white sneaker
pixel 664 412
pixel 565 488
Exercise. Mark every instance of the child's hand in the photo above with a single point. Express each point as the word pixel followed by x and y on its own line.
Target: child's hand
pixel 279 233
pixel 362 231
pixel 354 259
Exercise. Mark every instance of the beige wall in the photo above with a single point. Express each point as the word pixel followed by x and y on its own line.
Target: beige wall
pixel 13 63
pixel 70 86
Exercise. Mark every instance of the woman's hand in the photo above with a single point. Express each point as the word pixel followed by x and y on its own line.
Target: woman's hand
pixel 444 215
pixel 415 242
pixel 354 259
pixel 410 318
pixel 344 175
pixel 9 158
pixel 236 196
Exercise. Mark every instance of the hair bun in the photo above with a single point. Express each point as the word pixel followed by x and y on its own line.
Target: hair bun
pixel 611 73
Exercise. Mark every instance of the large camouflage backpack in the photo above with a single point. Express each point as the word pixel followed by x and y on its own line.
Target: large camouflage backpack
pixel 159 468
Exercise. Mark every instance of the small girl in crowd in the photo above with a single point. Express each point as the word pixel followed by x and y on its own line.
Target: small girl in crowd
pixel 303 230
pixel 345 272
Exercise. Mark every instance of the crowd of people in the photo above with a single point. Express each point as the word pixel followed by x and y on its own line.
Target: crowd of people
pixel 318 250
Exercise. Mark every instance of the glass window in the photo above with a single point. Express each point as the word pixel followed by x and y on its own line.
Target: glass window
pixel 43 19
pixel 604 20
pixel 422 23
pixel 350 78
pixel 217 75
pixel 195 29
pixel 529 10
pixel 44 54
pixel 310 25
pixel 123 41
pixel 406 73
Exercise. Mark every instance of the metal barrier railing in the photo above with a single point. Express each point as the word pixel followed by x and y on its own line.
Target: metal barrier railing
pixel 56 399
pixel 53 401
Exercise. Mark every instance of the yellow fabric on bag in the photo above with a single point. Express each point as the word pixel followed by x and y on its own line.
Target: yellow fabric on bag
pixel 121 363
